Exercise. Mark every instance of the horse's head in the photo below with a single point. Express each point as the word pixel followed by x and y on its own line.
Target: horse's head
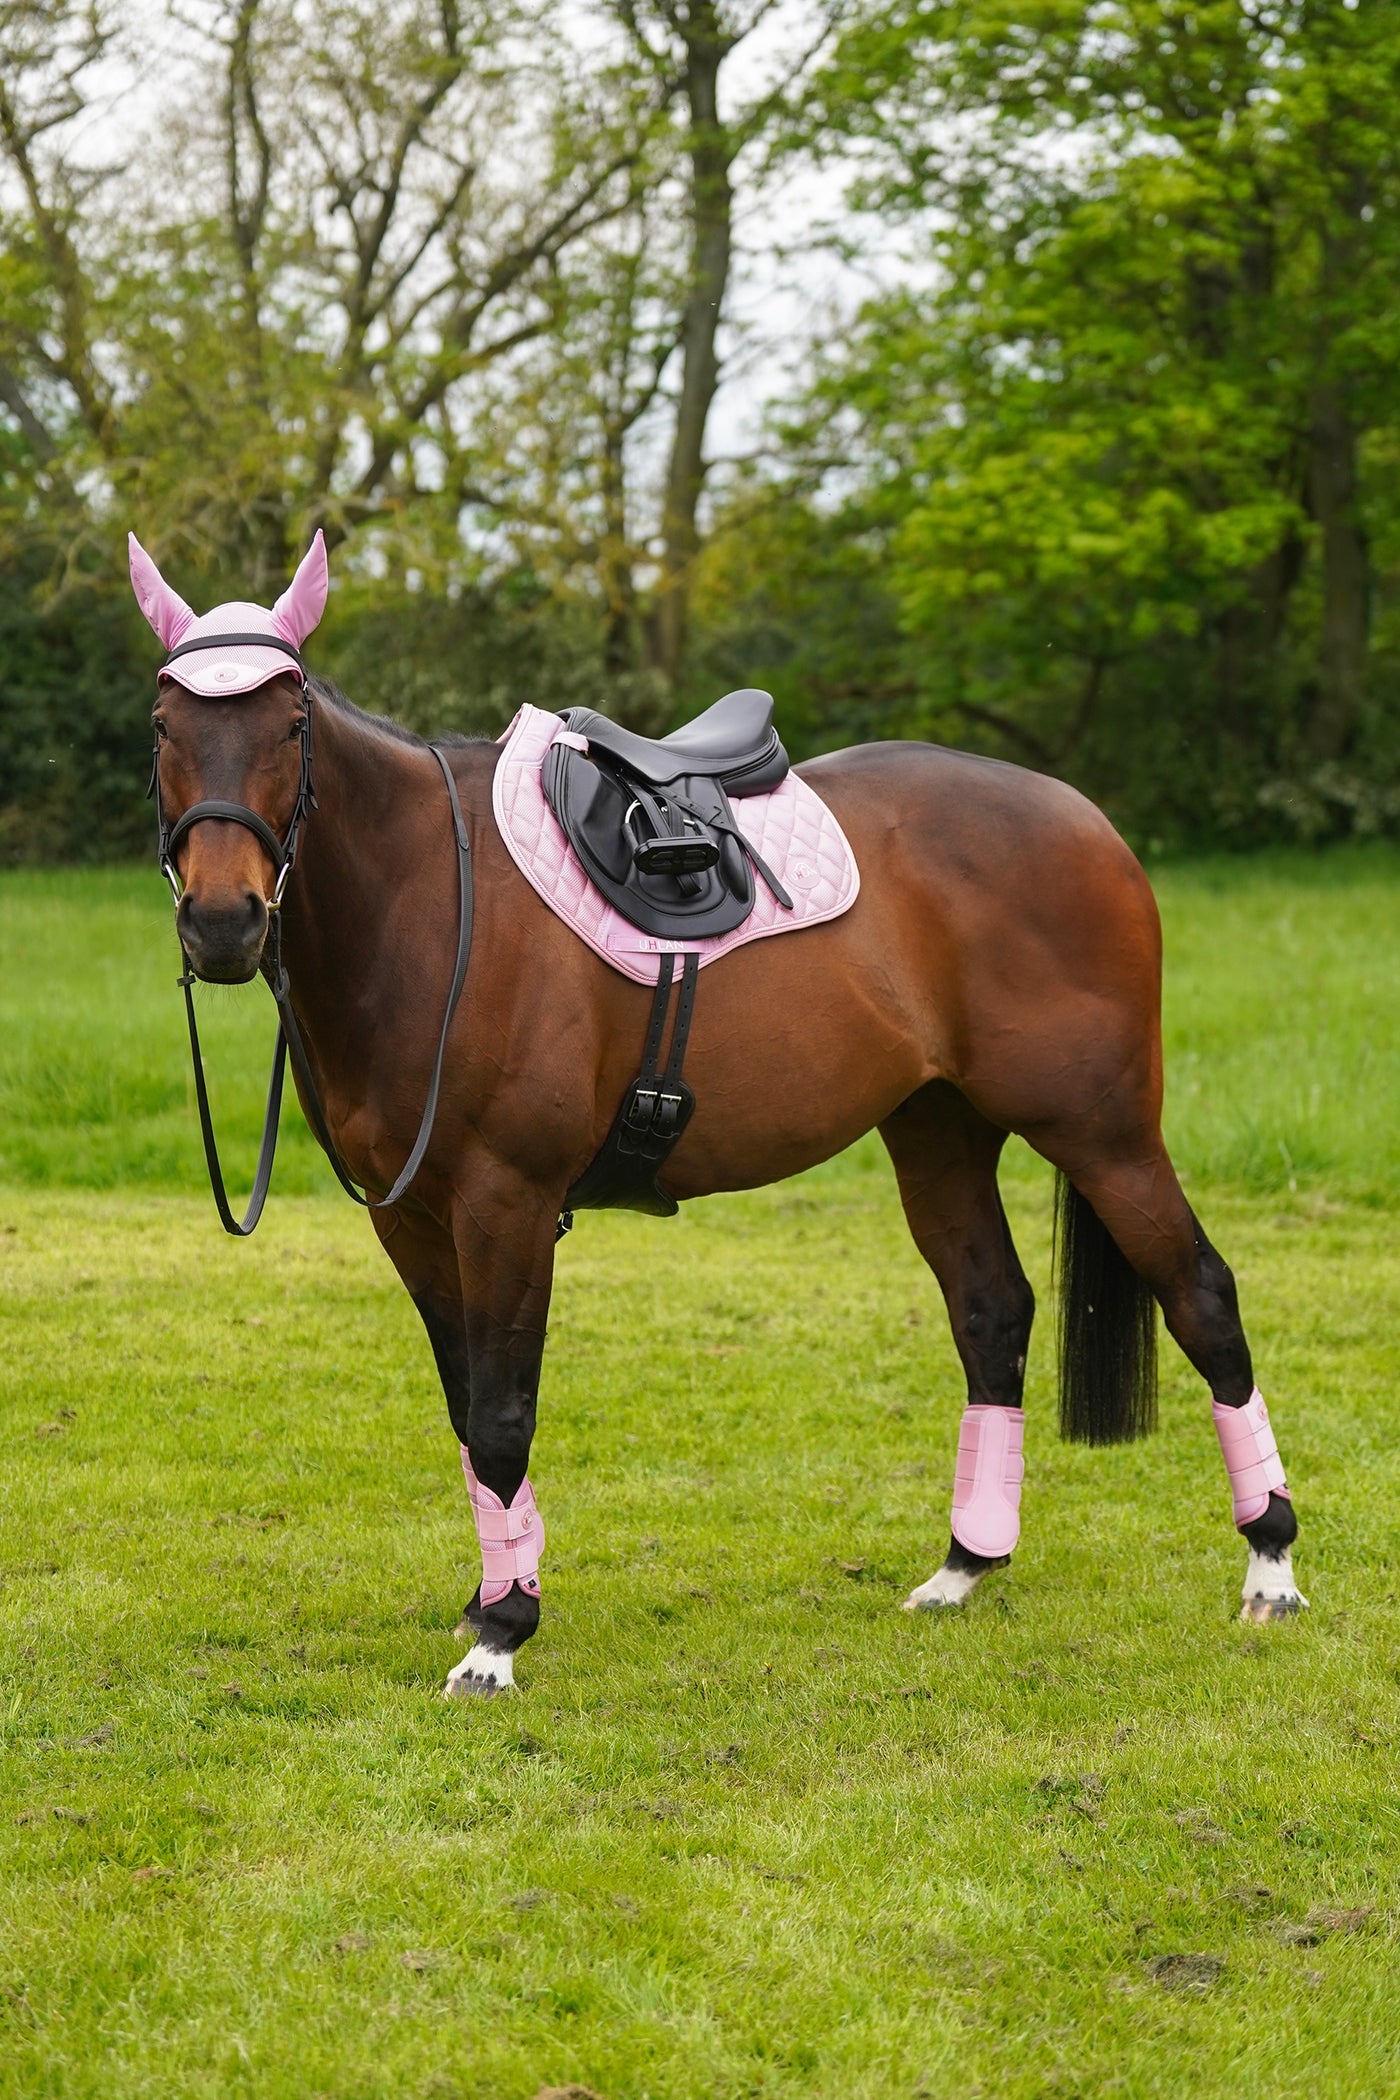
pixel 232 733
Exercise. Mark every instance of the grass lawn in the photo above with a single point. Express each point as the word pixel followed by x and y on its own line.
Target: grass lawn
pixel 747 1829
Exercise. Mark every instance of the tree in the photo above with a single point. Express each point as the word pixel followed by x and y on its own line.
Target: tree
pixel 697 39
pixel 288 305
pixel 370 212
pixel 442 284
pixel 1132 423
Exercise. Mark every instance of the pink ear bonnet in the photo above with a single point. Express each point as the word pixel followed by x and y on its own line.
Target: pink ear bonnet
pixel 222 653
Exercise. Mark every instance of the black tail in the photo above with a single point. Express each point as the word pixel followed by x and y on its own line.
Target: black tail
pixel 1108 1331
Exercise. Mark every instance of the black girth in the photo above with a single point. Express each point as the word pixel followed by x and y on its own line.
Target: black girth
pixel 655 1110
pixel 282 853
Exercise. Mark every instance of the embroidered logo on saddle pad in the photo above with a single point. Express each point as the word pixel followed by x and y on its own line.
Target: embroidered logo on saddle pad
pixel 791 828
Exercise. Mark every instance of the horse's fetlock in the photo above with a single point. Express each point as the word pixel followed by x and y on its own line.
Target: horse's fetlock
pixel 961 1561
pixel 1273 1533
pixel 508 1623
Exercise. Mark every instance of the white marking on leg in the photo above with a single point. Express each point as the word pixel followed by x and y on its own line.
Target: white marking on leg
pixel 481 1671
pixel 1270 1591
pixel 948 1586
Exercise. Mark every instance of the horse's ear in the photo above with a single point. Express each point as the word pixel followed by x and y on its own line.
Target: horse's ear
pixel 165 609
pixel 301 605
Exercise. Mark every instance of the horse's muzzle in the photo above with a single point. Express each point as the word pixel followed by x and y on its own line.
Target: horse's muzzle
pixel 224 942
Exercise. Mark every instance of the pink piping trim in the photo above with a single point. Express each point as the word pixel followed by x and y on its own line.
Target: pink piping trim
pixel 1250 1451
pixel 512 1540
pixel 987 1485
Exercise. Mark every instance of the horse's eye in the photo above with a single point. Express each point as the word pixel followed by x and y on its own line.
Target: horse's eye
pixel 295 731
pixel 161 731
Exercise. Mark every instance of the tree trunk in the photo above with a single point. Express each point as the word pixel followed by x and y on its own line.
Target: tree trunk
pixel 711 208
pixel 615 559
pixel 1332 447
pixel 1250 636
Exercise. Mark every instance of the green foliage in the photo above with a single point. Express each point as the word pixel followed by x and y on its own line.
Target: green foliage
pixel 467 660
pixel 75 678
pixel 1129 452
pixel 286 310
pixel 1107 479
pixel 797 602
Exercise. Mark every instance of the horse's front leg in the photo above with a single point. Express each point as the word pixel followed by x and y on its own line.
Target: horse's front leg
pixel 505 1334
pixel 504 1233
pixel 426 1259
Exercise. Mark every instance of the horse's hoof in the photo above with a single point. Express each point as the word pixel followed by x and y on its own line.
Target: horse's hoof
pixel 948 1588
pixel 481 1674
pixel 1269 1589
pixel 1262 1611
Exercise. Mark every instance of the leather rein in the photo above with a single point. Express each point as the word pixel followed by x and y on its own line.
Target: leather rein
pixel 282 853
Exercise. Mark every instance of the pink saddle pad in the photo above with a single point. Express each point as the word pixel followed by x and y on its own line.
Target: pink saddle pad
pixel 792 828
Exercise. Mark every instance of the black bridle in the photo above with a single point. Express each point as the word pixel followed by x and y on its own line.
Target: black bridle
pixel 282 853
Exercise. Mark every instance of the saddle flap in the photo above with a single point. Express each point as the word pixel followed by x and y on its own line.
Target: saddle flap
pixel 599 804
pixel 666 859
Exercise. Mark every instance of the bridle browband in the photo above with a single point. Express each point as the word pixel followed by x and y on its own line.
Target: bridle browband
pixel 235 641
pixel 282 853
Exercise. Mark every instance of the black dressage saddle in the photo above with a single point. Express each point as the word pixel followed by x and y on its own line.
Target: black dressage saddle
pixel 652 822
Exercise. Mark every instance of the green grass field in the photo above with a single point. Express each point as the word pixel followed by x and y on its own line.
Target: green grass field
pixel 747 1829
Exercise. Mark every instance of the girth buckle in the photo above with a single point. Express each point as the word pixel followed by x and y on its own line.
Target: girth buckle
pixel 640 1113
pixel 666 1115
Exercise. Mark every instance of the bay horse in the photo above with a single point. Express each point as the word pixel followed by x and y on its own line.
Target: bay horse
pixel 999 971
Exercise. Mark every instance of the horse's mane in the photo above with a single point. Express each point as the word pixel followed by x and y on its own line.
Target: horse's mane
pixel 385 724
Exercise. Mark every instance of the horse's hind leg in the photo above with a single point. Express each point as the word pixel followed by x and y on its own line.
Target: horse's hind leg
pixel 945 1159
pixel 1131 1187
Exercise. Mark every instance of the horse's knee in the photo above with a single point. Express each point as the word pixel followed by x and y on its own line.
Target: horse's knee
pixel 500 1429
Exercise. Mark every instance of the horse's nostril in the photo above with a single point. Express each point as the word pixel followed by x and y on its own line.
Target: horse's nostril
pixel 223 940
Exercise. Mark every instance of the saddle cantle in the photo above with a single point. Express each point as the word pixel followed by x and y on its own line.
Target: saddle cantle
pixel 650 819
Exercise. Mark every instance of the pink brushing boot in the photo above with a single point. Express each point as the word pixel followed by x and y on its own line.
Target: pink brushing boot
pixel 986 1501
pixel 1255 1470
pixel 512 1541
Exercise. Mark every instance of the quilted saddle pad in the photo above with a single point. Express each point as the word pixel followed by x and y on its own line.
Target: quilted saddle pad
pixel 792 828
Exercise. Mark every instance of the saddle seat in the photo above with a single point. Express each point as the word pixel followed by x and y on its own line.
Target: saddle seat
pixel 650 818
pixel 733 741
